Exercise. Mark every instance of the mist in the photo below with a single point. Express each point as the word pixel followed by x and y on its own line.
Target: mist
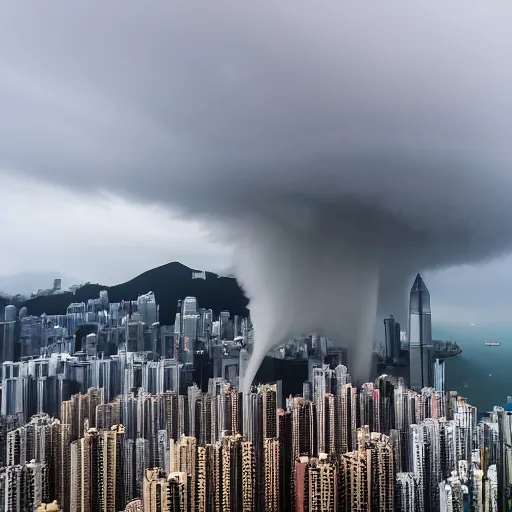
pixel 337 148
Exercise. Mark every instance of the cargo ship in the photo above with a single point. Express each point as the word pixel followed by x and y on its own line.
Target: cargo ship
pixel 492 343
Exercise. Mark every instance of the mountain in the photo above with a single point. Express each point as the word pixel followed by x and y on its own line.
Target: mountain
pixel 169 283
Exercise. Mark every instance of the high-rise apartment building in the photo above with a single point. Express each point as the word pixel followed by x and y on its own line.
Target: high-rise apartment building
pixel 408 493
pixel 97 471
pixel 271 474
pixel 155 491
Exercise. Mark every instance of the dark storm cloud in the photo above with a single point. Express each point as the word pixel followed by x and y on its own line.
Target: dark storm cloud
pixel 352 142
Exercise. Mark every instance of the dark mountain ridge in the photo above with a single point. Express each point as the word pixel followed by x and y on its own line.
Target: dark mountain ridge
pixel 169 283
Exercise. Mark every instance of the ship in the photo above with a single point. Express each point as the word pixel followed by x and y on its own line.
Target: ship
pixel 492 343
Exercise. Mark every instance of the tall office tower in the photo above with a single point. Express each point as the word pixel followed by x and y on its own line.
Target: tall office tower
pixel 193 394
pixel 392 334
pixel 225 326
pixel 420 337
pixel 408 493
pixel 190 324
pixel 201 332
pixel 147 308
pixel 439 375
pixel 237 327
pixel 271 475
pixel 177 494
pixel 134 335
pixel 75 316
pixel 7 339
pixel 31 335
pixel 167 342
pixel 154 490
pixel 321 380
pixel 61 460
pixel 178 329
pixel 10 313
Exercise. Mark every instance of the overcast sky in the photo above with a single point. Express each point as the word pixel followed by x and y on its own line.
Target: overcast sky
pixel 111 113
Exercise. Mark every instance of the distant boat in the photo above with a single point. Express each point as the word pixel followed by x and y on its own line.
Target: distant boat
pixel 492 343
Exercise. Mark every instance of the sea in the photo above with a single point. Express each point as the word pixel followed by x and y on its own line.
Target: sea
pixel 482 374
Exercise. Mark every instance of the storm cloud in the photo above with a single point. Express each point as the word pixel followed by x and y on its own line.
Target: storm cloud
pixel 339 147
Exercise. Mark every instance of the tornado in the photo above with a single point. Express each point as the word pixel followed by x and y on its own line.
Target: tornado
pixel 335 148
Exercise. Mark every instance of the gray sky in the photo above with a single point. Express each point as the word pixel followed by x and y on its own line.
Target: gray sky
pixel 129 130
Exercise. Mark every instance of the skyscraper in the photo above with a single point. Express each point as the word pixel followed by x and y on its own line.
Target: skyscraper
pixel 190 323
pixel 147 307
pixel 420 337
pixel 392 332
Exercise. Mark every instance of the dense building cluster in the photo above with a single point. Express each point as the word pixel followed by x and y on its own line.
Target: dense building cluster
pixel 101 410
pixel 379 446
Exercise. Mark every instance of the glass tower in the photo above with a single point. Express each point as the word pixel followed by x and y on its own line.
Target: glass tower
pixel 420 337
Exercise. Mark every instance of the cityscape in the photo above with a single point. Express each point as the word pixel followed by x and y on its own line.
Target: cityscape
pixel 255 256
pixel 104 409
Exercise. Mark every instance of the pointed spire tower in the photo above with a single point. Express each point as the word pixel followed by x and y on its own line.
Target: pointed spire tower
pixel 420 337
